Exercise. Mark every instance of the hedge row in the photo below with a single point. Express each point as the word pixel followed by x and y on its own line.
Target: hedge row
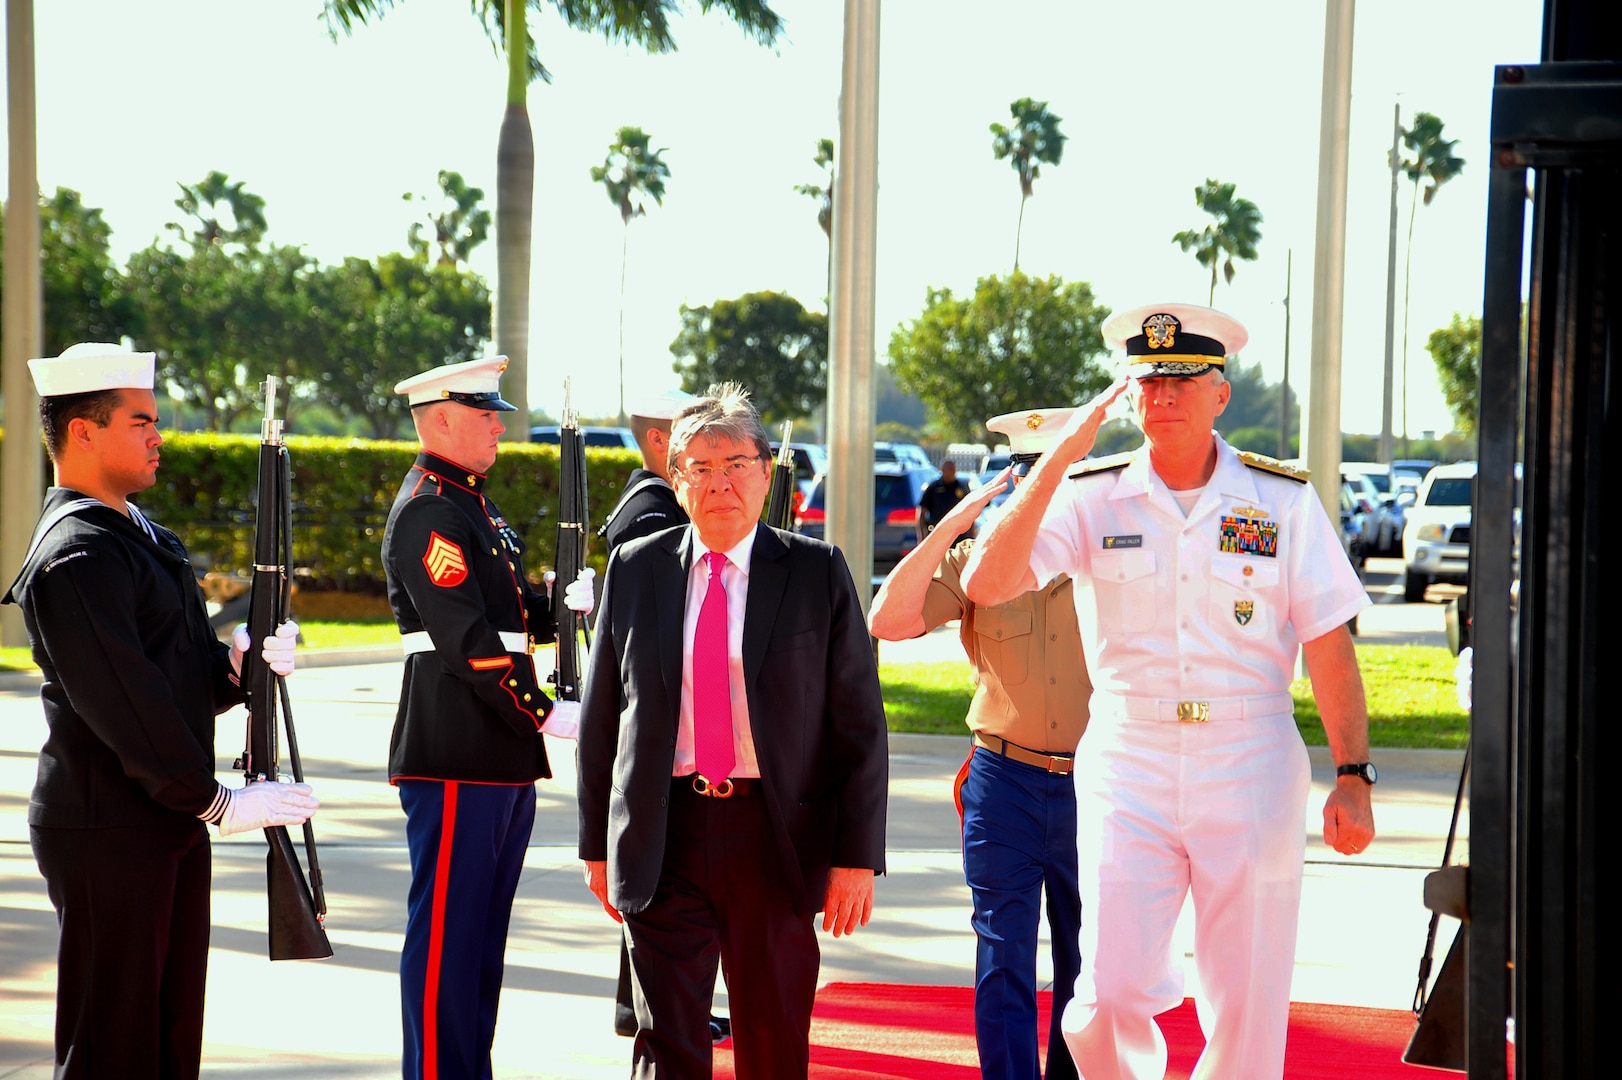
pixel 342 491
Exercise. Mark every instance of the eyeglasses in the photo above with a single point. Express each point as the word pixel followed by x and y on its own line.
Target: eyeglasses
pixel 733 471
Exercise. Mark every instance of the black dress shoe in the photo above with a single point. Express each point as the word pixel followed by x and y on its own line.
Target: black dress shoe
pixel 720 1029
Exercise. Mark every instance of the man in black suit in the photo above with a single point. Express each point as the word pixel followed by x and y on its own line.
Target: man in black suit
pixel 733 758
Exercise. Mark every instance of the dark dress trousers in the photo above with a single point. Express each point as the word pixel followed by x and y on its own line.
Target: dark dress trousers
pixel 701 879
pixel 133 678
pixel 465 754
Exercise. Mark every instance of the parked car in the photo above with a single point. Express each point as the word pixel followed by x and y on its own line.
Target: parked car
pixel 896 491
pixel 1411 467
pixel 1392 505
pixel 810 459
pixel 910 455
pixel 1381 536
pixel 617 438
pixel 1436 539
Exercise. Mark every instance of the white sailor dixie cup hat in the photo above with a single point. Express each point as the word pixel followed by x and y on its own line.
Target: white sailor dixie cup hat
pixel 663 406
pixel 1030 434
pixel 91 366
pixel 1172 340
pixel 474 383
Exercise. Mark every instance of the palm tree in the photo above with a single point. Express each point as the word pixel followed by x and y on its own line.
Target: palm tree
pixel 1435 161
pixel 824 194
pixel 640 22
pixel 630 171
pixel 458 228
pixel 1033 140
pixel 1232 235
pixel 204 200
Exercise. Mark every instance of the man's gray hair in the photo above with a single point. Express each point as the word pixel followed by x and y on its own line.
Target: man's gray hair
pixel 723 412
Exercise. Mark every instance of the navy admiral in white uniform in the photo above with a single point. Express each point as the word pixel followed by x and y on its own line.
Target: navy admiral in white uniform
pixel 1198 574
pixel 467 748
pixel 133 678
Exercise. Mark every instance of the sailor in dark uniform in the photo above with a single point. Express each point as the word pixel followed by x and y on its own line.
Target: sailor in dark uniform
pixel 648 504
pixel 133 678
pixel 467 748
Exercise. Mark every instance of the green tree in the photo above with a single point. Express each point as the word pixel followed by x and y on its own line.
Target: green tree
pixel 204 202
pixel 1031 141
pixel 221 320
pixel 459 227
pixel 83 293
pixel 630 172
pixel 1456 349
pixel 1433 160
pixel 765 341
pixel 1017 343
pixel 1233 234
pixel 386 319
pixel 639 22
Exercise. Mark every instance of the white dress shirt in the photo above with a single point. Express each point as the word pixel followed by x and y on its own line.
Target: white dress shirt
pixel 735 578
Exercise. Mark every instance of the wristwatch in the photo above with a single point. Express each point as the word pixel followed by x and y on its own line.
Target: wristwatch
pixel 1363 770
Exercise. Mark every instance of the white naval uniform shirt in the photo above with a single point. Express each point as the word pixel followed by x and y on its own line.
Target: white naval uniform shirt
pixel 1164 611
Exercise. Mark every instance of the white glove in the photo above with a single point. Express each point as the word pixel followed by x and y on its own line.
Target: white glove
pixel 563 721
pixel 579 597
pixel 277 650
pixel 1464 676
pixel 261 804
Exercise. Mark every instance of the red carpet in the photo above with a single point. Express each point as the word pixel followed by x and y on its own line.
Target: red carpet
pixel 882 1031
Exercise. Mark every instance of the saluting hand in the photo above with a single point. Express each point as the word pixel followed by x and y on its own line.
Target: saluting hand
pixel 1076 438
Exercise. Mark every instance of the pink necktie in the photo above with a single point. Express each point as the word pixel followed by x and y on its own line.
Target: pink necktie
pixel 712 683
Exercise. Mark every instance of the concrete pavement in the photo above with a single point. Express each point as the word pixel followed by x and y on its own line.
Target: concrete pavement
pixel 1362 922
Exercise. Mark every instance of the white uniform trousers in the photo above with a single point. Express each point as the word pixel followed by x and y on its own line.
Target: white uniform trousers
pixel 1163 808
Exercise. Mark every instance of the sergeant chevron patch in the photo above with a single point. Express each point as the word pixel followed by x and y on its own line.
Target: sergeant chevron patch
pixel 446 564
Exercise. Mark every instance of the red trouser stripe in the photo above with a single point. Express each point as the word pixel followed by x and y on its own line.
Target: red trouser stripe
pixel 436 938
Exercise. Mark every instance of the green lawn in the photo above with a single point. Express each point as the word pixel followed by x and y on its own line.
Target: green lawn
pixel 1409 687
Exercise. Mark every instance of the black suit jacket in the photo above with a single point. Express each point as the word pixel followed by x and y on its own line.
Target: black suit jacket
pixel 815 712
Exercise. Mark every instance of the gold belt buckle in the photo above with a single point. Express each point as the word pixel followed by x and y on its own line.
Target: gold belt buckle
pixel 703 786
pixel 1193 712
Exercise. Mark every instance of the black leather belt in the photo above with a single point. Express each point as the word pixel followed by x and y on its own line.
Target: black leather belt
pixel 722 789
pixel 1053 763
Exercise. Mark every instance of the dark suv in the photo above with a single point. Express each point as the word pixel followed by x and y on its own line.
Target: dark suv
pixel 896 491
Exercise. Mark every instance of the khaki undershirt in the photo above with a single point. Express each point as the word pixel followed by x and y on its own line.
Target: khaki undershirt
pixel 1031 684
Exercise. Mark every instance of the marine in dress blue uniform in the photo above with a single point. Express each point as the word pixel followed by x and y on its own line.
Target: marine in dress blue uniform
pixel 466 748
pixel 1198 575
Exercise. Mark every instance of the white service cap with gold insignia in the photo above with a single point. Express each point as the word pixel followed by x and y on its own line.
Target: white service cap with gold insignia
pixel 474 383
pixel 91 366
pixel 1171 340
pixel 1030 433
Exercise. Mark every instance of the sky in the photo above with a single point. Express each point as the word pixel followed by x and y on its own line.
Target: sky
pixel 1155 96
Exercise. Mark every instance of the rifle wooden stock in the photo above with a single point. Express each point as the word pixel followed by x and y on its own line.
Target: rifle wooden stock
pixel 571 554
pixel 296 909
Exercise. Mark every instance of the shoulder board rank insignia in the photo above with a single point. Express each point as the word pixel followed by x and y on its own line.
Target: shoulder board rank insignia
pixel 1090 466
pixel 444 561
pixel 1275 466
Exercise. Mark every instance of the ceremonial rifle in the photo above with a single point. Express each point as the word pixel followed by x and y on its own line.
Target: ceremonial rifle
pixel 297 906
pixel 780 503
pixel 571 554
